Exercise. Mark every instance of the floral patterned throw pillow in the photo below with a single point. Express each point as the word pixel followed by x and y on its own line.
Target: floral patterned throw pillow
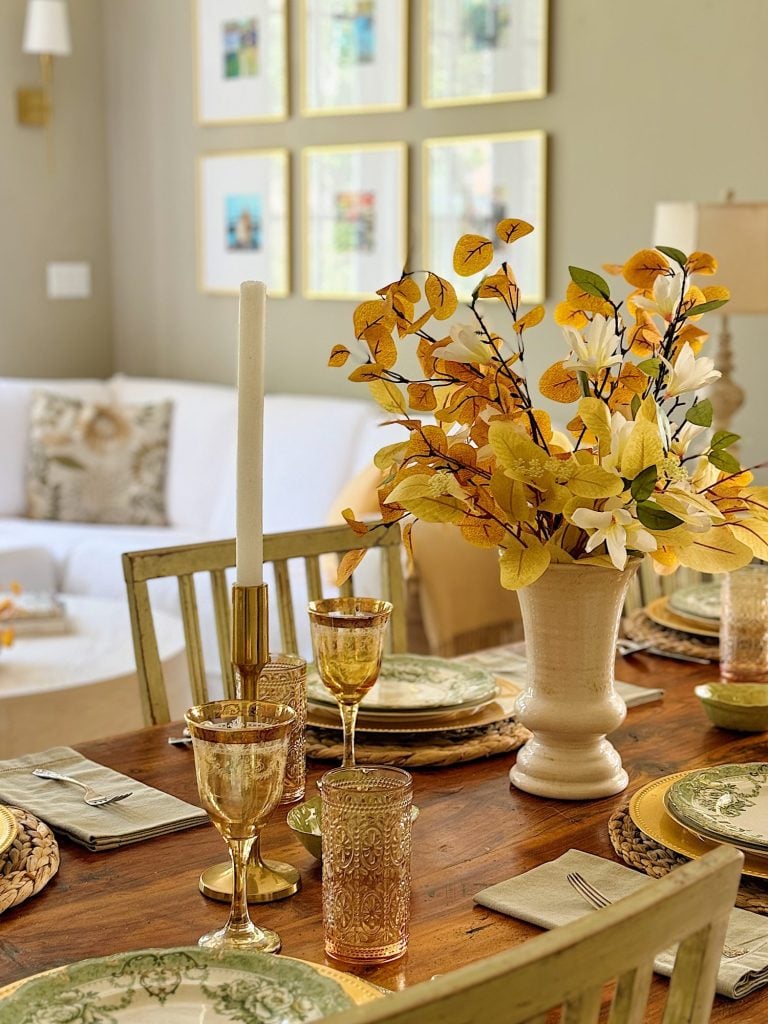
pixel 93 463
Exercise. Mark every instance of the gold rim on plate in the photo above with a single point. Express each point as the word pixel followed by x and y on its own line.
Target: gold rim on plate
pixel 647 811
pixel 359 991
pixel 658 611
pixel 9 828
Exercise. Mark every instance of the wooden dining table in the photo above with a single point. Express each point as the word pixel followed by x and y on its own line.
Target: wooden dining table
pixel 473 830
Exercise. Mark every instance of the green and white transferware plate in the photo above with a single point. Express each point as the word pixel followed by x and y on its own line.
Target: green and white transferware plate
pixel 177 986
pixel 701 601
pixel 410 682
pixel 727 803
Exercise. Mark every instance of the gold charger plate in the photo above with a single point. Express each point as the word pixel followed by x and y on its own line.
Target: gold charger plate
pixel 658 611
pixel 9 828
pixel 494 711
pixel 647 811
pixel 359 991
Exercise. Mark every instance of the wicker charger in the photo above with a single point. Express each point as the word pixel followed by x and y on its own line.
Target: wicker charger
pixel 638 851
pixel 637 626
pixel 421 751
pixel 29 863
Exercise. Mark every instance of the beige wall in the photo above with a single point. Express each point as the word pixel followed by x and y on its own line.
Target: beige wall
pixel 651 100
pixel 54 211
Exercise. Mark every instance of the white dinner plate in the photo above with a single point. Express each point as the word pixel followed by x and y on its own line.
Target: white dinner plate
pixel 410 682
pixel 182 986
pixel 701 601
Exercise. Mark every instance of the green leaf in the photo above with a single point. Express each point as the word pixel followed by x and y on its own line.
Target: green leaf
pixel 706 307
pixel 674 254
pixel 701 413
pixel 724 439
pixel 634 406
pixel 644 483
pixel 655 517
pixel 724 460
pixel 650 367
pixel 590 282
pixel 67 461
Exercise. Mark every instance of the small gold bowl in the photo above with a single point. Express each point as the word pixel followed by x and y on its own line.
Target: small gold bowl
pixel 742 707
pixel 304 821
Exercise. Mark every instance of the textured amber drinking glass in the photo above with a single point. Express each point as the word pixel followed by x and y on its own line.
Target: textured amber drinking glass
pixel 283 680
pixel 366 827
pixel 348 640
pixel 240 750
pixel 744 625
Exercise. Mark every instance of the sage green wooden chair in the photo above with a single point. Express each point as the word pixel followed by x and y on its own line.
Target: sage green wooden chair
pixel 214 558
pixel 568 967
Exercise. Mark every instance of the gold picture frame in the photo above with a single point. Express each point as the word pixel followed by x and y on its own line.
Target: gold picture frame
pixel 499 175
pixel 474 41
pixel 350 52
pixel 241 65
pixel 354 218
pixel 243 220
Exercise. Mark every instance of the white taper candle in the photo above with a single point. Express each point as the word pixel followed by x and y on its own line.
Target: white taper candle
pixel 250 433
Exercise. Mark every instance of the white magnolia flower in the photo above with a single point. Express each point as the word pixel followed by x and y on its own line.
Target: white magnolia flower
pixel 615 528
pixel 667 289
pixel 703 475
pixel 689 373
pixel 466 346
pixel 621 428
pixel 595 349
pixel 684 437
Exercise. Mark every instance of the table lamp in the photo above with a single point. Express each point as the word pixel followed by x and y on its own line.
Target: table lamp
pixel 737 235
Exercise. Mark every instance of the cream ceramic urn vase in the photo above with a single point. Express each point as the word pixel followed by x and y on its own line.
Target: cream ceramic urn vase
pixel 571 617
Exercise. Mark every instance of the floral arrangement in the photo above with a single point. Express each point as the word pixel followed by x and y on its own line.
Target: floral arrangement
pixel 637 469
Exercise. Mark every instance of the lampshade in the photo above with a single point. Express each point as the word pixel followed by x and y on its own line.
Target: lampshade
pixel 46 29
pixel 737 236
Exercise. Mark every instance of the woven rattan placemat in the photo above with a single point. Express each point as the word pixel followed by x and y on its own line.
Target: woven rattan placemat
pixel 637 850
pixel 29 863
pixel 637 626
pixel 421 751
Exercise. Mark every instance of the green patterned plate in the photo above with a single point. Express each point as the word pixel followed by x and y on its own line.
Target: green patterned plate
pixel 701 601
pixel 9 828
pixel 178 986
pixel 727 803
pixel 410 682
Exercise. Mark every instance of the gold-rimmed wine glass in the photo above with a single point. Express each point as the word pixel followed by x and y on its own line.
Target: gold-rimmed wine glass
pixel 240 749
pixel 348 640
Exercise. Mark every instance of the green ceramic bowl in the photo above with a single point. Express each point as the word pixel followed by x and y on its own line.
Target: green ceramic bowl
pixel 742 707
pixel 304 821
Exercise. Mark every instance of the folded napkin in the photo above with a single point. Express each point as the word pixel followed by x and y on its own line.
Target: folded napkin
pixel 145 814
pixel 544 897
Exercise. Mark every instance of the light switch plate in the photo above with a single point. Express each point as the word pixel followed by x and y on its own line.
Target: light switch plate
pixel 69 280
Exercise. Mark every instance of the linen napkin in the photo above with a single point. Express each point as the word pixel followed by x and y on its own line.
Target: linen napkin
pixel 544 897
pixel 508 660
pixel 145 814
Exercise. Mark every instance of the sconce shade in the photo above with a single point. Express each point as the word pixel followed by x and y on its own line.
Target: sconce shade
pixel 46 29
pixel 737 236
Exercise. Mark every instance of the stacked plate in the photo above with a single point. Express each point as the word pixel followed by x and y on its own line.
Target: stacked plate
pixel 694 610
pixel 691 812
pixel 420 694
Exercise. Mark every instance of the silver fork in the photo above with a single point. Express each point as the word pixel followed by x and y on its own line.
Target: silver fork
pixel 598 900
pixel 91 797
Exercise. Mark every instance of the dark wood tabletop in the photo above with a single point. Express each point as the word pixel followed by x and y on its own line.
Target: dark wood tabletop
pixel 473 831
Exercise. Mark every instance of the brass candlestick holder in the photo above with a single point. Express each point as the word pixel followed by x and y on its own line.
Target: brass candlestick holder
pixel 267 880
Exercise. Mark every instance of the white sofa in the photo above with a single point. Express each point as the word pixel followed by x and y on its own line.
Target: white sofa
pixel 312 447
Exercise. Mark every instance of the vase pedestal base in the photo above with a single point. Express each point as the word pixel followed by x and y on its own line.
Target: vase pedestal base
pixel 568 769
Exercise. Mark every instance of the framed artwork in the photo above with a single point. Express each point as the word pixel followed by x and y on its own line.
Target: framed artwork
pixel 473 182
pixel 354 56
pixel 484 51
pixel 243 220
pixel 354 209
pixel 241 61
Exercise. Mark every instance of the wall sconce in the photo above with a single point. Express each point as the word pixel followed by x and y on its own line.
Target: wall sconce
pixel 737 235
pixel 46 32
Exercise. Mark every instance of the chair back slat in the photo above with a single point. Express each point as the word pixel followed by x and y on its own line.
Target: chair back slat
pixel 631 995
pixel 583 1008
pixel 193 642
pixel 214 558
pixel 314 578
pixel 285 607
pixel 222 610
